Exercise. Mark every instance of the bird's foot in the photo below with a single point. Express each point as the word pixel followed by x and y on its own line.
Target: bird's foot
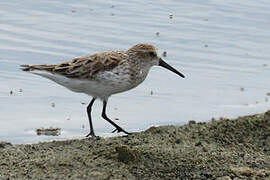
pixel 119 129
pixel 92 134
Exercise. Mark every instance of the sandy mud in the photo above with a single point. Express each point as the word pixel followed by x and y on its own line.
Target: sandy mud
pixel 221 149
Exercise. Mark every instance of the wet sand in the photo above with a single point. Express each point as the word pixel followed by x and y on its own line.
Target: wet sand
pixel 220 149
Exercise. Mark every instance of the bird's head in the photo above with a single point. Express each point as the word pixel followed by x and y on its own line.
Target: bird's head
pixel 146 56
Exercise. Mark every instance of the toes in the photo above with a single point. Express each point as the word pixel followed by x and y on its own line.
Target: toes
pixel 118 130
pixel 91 134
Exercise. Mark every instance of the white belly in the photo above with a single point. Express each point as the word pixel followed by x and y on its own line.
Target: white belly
pixel 105 84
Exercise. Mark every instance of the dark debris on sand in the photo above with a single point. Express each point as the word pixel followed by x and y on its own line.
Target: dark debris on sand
pixel 222 149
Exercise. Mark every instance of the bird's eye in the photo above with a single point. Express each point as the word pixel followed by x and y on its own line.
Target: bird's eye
pixel 152 54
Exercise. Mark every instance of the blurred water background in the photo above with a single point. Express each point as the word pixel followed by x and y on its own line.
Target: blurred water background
pixel 222 46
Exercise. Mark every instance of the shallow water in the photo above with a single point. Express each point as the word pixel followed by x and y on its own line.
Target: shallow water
pixel 221 46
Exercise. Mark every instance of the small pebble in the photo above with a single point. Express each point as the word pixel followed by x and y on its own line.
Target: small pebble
pixel 53 105
pixel 164 54
pixel 48 131
pixel 204 149
pixel 205 45
pixel 268 94
pixel 224 178
pixel 191 122
pixel 125 154
pixel 11 92
pixel 242 89
pixel 116 119
pixel 157 33
pixel 151 92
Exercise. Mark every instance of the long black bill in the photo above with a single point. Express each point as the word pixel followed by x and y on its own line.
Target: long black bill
pixel 167 66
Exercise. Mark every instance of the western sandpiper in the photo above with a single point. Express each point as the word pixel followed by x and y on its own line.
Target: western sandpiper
pixel 103 74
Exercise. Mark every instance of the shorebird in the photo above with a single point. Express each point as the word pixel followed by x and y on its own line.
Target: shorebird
pixel 103 74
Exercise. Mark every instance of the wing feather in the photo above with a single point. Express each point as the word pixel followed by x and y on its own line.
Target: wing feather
pixel 83 67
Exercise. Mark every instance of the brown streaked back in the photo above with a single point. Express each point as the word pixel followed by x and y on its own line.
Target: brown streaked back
pixel 85 67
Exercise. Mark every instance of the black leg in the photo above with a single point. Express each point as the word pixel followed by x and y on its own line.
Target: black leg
pixel 118 128
pixel 89 108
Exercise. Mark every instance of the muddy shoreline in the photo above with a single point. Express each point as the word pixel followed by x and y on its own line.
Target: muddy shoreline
pixel 220 149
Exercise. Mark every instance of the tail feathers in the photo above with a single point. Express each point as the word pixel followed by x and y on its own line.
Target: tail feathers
pixel 25 67
pixel 37 67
